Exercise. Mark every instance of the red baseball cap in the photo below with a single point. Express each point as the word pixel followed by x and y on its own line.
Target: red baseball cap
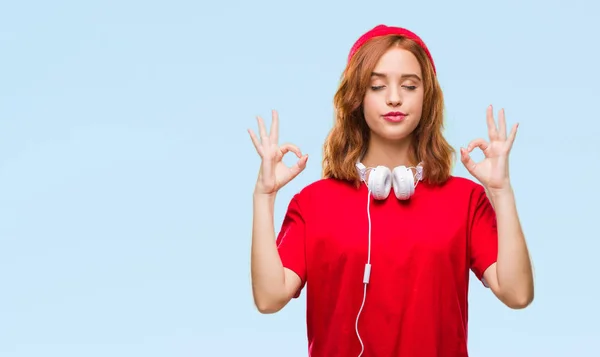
pixel 383 30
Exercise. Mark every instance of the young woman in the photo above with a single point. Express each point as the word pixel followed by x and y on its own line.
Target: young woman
pixel 385 241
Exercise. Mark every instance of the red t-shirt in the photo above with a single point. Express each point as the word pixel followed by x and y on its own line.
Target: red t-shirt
pixel 421 253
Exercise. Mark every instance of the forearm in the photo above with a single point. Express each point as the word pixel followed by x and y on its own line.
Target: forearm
pixel 268 279
pixel 513 268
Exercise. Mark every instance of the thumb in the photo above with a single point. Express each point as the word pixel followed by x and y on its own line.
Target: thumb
pixel 465 158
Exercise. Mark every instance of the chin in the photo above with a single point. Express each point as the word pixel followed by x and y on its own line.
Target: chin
pixel 399 132
pixel 392 135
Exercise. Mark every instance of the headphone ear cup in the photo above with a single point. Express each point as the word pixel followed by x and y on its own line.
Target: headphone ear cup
pixel 380 182
pixel 404 183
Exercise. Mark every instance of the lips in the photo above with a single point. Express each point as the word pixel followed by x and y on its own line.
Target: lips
pixel 394 116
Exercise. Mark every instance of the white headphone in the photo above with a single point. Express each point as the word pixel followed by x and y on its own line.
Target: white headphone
pixel 381 180
pixel 379 184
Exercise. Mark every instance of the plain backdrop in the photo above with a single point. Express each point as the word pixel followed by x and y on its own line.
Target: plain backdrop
pixel 126 171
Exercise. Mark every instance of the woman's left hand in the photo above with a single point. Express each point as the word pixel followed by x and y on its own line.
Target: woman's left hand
pixel 492 171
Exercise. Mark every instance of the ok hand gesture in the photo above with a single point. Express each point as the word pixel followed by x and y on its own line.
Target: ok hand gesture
pixel 492 171
pixel 274 174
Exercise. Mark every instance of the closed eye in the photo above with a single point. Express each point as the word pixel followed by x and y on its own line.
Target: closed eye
pixel 381 87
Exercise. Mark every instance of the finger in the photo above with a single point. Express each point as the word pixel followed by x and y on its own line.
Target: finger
pixel 274 135
pixel 492 130
pixel 285 148
pixel 465 158
pixel 261 129
pixel 512 135
pixel 501 125
pixel 267 169
pixel 478 143
pixel 255 141
pixel 298 167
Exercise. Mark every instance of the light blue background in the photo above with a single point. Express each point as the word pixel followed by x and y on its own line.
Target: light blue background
pixel 126 171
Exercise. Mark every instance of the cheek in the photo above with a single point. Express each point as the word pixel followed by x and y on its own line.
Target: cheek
pixel 369 106
pixel 417 104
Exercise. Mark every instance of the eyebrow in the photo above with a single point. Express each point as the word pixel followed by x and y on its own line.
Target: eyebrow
pixel 404 76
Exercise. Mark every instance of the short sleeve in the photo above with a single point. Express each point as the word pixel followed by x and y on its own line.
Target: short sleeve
pixel 483 233
pixel 291 241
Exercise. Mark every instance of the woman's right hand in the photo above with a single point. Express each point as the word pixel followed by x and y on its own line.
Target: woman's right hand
pixel 274 174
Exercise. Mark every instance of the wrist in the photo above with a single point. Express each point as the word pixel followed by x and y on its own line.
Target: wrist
pixel 502 193
pixel 259 196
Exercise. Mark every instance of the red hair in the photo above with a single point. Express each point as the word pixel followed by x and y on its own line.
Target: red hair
pixel 348 140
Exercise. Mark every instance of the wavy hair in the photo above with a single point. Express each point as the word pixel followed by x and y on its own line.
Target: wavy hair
pixel 348 140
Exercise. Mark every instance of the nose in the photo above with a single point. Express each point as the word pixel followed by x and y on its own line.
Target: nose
pixel 393 98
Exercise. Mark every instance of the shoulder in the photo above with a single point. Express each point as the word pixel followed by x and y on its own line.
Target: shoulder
pixel 326 190
pixel 459 186
pixel 458 191
pixel 326 186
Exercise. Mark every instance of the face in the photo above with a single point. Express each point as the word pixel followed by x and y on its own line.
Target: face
pixel 394 100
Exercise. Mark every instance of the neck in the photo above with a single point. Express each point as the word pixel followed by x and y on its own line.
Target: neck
pixel 387 153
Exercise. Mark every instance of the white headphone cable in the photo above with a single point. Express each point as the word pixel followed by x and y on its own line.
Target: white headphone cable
pixel 367 273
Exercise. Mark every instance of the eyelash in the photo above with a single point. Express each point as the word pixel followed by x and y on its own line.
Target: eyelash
pixel 411 88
